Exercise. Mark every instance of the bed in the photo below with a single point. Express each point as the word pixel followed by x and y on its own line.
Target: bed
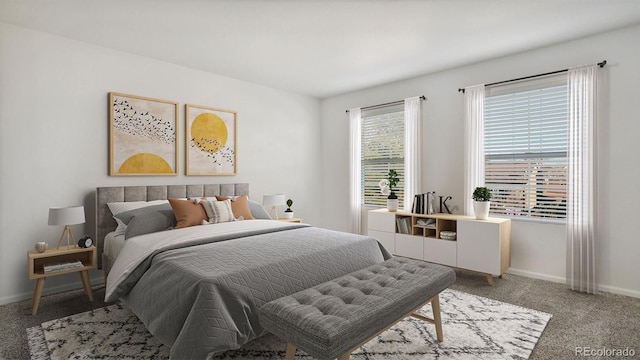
pixel 198 289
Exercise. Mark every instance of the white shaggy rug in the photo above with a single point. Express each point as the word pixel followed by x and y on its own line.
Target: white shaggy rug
pixel 474 328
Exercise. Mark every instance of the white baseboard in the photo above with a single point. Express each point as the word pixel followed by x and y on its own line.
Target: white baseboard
pixel 535 275
pixel 619 291
pixel 98 279
pixel 562 280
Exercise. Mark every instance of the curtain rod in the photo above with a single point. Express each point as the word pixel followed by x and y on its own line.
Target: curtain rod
pixel 386 104
pixel 601 64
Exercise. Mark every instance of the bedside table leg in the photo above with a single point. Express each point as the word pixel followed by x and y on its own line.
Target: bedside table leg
pixel 37 293
pixel 87 285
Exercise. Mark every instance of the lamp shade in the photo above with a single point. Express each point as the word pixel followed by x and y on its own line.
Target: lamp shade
pixel 66 215
pixel 271 200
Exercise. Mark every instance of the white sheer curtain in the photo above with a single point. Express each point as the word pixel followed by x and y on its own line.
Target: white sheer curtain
pixel 581 189
pixel 355 151
pixel 412 133
pixel 473 142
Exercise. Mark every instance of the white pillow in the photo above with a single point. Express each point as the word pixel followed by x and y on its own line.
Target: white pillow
pixel 119 207
pixel 218 211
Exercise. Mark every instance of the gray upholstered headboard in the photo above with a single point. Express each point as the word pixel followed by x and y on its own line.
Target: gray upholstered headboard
pixel 105 222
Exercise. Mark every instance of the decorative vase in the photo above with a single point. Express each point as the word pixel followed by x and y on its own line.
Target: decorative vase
pixel 392 202
pixel 288 214
pixel 481 209
pixel 41 247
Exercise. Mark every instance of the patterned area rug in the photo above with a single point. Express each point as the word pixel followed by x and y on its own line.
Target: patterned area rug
pixel 474 328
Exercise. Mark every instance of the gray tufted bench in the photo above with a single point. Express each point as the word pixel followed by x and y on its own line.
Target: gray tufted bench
pixel 337 317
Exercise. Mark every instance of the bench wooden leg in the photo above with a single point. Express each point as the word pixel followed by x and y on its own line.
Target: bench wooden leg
pixel 291 352
pixel 437 320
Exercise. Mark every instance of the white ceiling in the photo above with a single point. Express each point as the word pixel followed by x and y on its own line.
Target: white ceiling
pixel 322 48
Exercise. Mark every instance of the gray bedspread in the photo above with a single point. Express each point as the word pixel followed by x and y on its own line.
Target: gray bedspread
pixel 204 299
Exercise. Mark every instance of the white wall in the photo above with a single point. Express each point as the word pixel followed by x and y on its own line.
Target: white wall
pixel 538 250
pixel 54 138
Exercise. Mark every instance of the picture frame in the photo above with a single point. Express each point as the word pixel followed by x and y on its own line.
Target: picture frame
pixel 143 136
pixel 211 141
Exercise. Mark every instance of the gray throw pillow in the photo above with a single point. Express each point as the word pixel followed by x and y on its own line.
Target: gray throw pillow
pixel 159 220
pixel 147 219
pixel 258 211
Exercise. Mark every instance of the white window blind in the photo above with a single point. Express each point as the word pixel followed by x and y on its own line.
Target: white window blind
pixel 526 148
pixel 382 150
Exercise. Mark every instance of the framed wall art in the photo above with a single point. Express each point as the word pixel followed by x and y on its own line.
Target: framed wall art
pixel 212 138
pixel 143 137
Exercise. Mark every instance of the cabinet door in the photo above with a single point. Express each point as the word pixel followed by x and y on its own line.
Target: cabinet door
pixel 381 220
pixel 387 239
pixel 479 246
pixel 409 246
pixel 440 251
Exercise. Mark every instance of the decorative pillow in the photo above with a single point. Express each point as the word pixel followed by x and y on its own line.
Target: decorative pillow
pixel 119 207
pixel 151 221
pixel 187 213
pixel 239 205
pixel 121 212
pixel 218 211
pixel 258 211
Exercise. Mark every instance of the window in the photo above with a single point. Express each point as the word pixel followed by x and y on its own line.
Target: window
pixel 382 145
pixel 525 140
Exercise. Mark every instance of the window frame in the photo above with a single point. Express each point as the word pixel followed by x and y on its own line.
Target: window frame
pixel 534 201
pixel 394 159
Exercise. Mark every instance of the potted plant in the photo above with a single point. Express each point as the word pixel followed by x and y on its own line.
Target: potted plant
pixel 481 201
pixel 288 214
pixel 386 188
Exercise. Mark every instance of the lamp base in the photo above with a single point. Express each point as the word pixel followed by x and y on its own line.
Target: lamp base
pixel 274 210
pixel 67 231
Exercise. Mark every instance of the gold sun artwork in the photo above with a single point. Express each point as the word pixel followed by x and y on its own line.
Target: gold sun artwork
pixel 145 163
pixel 209 133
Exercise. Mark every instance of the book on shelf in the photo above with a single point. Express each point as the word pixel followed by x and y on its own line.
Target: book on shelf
pixel 48 268
pixel 418 207
pixel 404 224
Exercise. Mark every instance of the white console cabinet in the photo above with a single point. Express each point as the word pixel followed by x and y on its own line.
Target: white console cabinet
pixel 483 246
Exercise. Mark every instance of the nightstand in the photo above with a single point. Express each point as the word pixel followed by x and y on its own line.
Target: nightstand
pixel 293 220
pixel 38 261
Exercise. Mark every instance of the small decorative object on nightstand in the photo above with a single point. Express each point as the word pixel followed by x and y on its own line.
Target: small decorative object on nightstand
pixel 41 246
pixel 58 262
pixel 288 214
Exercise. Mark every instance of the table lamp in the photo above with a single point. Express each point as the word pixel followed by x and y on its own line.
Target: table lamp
pixel 272 201
pixel 66 216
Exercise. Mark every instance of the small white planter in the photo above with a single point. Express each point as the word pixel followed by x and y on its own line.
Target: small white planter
pixel 481 209
pixel 288 214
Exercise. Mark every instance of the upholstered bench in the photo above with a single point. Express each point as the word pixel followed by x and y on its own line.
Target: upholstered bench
pixel 337 317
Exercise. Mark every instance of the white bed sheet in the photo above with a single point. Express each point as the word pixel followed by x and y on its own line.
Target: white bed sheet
pixel 113 244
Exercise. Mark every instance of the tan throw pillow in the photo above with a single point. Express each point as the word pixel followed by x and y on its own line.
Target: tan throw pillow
pixel 239 205
pixel 187 213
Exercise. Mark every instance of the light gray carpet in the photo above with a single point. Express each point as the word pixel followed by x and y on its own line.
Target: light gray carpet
pixel 474 327
pixel 604 320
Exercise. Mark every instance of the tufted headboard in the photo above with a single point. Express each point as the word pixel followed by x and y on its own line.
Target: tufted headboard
pixel 105 222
